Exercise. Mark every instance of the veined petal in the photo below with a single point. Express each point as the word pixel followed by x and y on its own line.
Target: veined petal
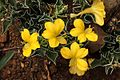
pixel 27 50
pixel 73 69
pixel 88 30
pixel 48 35
pixel 25 34
pixel 34 37
pixel 92 36
pixel 59 25
pixel 82 65
pixel 50 26
pixel 99 20
pixel 80 73
pixel 62 40
pixel 35 45
pixel 74 48
pixel 73 62
pixel 82 53
pixel 78 23
pixel 82 38
pixel 53 42
pixel 65 52
pixel 75 32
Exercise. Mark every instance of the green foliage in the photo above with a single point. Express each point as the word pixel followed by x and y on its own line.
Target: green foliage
pixel 110 53
pixel 6 58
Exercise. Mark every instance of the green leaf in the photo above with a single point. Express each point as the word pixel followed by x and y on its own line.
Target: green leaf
pixel 52 56
pixel 39 52
pixel 6 25
pixel 6 58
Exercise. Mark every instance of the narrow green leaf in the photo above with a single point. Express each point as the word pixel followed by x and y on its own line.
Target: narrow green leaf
pixel 6 25
pixel 6 58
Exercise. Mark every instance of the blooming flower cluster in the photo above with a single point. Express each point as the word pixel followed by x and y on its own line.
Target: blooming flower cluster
pixel 52 33
pixel 82 33
pixel 31 42
pixel 78 63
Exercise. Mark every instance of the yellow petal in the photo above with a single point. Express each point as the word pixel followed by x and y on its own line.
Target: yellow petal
pixel 80 73
pixel 50 26
pixel 88 30
pixel 73 62
pixel 47 34
pixel 98 10
pixel 34 37
pixel 78 23
pixel 82 38
pixel 65 52
pixel 92 36
pixel 25 35
pixel 82 53
pixel 82 65
pixel 35 45
pixel 73 70
pixel 59 25
pixel 75 32
pixel 74 48
pixel 53 42
pixel 99 20
pixel 27 50
pixel 61 40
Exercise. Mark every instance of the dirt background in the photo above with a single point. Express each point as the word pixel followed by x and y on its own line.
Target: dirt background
pixel 38 68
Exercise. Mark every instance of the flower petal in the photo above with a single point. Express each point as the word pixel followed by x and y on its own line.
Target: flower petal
pixel 27 50
pixel 80 73
pixel 65 52
pixel 82 38
pixel 88 30
pixel 25 35
pixel 82 64
pixel 47 34
pixel 75 32
pixel 73 70
pixel 99 20
pixel 34 37
pixel 35 45
pixel 72 62
pixel 53 42
pixel 62 40
pixel 50 26
pixel 59 25
pixel 92 36
pixel 78 23
pixel 82 53
pixel 74 48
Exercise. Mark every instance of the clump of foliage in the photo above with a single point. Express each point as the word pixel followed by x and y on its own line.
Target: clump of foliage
pixel 50 29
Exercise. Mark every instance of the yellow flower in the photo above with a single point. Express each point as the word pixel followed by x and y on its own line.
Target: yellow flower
pixel 31 42
pixel 97 9
pixel 82 33
pixel 76 54
pixel 53 31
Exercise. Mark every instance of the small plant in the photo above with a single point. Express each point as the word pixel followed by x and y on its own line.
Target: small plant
pixel 48 30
